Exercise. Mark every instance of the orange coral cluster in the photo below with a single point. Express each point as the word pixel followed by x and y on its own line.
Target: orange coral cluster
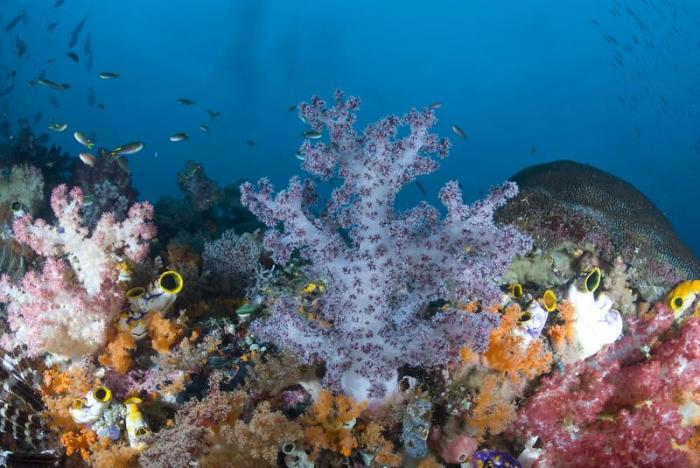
pixel 117 354
pixel 562 333
pixel 492 412
pixel 372 440
pixel 59 390
pixel 326 423
pixel 79 442
pixel 164 333
pixel 507 354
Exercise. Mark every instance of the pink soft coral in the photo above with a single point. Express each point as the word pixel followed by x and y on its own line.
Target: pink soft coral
pixel 49 310
pixel 92 256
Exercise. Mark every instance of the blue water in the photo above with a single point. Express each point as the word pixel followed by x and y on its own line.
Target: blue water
pixel 529 82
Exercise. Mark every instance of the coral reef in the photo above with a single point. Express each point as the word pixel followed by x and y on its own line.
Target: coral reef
pixel 344 332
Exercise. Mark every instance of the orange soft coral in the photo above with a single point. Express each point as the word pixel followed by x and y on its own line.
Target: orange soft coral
pixel 163 332
pixel 326 424
pixel 59 390
pixel 105 454
pixel 506 352
pixel 372 441
pixel 117 354
pixel 79 442
pixel 493 411
pixel 562 333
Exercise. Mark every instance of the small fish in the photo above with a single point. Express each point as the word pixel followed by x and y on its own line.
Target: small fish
pixel 292 108
pixel 250 142
pixel 20 47
pixel 52 84
pixel 186 102
pixel 87 45
pixel 435 105
pixel 459 132
pixel 51 60
pixel 91 97
pixel 73 56
pixel 204 128
pixel 87 159
pixel 533 150
pixel 90 63
pixel 109 75
pixel 38 117
pixel 75 35
pixel 313 134
pixel 179 137
pixel 595 22
pixel 213 114
pixel 54 102
pixel 129 148
pixel 52 26
pixel 299 156
pixel 100 106
pixel 15 21
pixel 421 187
pixel 59 3
pixel 58 127
pixel 83 140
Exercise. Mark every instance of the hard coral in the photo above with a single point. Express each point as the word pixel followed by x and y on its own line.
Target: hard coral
pixel 381 267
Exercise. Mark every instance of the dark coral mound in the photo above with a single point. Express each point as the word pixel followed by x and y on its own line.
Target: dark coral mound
pixel 566 200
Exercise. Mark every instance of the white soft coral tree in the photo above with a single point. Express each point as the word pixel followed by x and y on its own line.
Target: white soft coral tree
pixel 67 307
pixel 381 266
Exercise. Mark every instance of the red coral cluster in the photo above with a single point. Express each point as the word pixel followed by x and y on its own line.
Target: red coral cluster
pixel 623 405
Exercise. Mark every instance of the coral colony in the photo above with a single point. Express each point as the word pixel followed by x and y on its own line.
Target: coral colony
pixel 525 329
pixel 384 266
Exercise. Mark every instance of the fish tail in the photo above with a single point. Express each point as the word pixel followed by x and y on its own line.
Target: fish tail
pixel 90 145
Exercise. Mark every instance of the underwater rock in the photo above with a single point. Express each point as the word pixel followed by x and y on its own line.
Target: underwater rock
pixel 566 200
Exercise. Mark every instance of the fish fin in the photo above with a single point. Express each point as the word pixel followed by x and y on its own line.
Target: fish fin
pixel 18 379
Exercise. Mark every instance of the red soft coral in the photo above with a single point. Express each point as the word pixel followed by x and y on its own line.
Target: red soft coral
pixel 623 404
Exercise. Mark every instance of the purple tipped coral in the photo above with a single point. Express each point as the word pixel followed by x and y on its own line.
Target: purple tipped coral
pixel 381 267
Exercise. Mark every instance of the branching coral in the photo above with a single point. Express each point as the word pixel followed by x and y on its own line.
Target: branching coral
pixel 66 307
pixel 380 266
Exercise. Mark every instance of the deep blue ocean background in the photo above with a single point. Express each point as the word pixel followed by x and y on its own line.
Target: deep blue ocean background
pixel 611 83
